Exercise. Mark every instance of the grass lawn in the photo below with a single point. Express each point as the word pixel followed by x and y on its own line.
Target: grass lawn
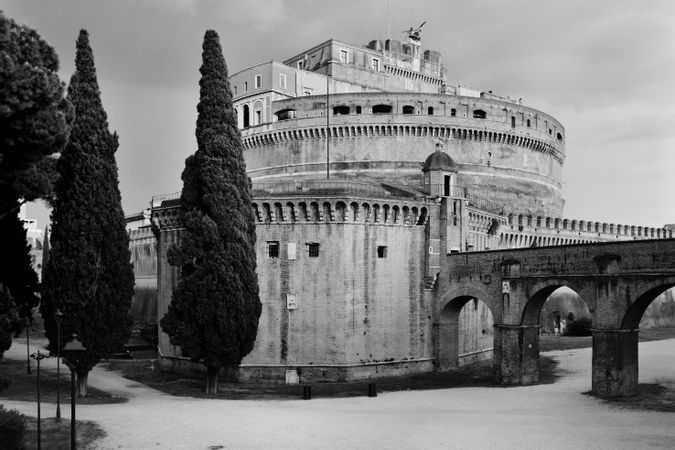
pixel 56 435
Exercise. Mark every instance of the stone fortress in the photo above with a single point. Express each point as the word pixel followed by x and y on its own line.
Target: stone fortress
pixel 349 251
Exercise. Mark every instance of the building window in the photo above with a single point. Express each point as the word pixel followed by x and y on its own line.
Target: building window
pixel 273 249
pixel 430 110
pixel 382 251
pixel 258 81
pixel 559 136
pixel 358 110
pixel 479 114
pixel 341 110
pixel 282 81
pixel 375 64
pixel 235 90
pixel 528 123
pixel 407 109
pixel 245 85
pixel 382 109
pixel 453 112
pixel 313 249
pixel 513 121
pixel 344 56
pixel 301 64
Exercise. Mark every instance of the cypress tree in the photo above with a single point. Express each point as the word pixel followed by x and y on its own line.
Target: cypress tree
pixel 89 276
pixel 214 310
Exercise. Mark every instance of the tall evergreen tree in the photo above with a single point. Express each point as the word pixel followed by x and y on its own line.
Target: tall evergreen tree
pixel 214 310
pixel 89 276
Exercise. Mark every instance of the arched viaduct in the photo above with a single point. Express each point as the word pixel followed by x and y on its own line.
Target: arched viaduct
pixel 617 281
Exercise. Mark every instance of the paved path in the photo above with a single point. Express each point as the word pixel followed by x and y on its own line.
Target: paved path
pixel 555 416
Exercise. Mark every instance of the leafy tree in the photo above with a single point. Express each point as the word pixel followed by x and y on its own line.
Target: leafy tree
pixel 16 272
pixel 9 320
pixel 214 311
pixel 34 116
pixel 89 276
pixel 34 124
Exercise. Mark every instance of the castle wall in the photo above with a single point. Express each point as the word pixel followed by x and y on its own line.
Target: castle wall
pixel 513 157
pixel 142 246
pixel 358 306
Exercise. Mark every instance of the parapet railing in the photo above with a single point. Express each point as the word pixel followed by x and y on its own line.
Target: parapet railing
pixel 320 188
pixel 158 199
pixel 441 190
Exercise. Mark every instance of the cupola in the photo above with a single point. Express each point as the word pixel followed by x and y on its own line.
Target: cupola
pixel 440 173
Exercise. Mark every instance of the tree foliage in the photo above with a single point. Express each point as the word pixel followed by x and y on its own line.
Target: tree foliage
pixel 34 116
pixel 89 276
pixel 9 319
pixel 214 311
pixel 16 271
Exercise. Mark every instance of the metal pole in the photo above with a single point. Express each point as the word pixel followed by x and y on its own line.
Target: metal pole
pixel 39 440
pixel 58 370
pixel 27 346
pixel 72 409
pixel 327 127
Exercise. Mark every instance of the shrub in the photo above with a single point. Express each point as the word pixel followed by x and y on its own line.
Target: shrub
pixel 12 428
pixel 580 327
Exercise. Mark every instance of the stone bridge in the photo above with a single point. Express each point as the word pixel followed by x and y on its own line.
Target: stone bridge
pixel 617 281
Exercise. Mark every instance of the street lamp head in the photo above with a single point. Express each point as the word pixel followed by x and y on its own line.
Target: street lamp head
pixel 58 315
pixel 73 346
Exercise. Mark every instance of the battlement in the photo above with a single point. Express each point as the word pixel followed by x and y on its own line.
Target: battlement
pixel 527 230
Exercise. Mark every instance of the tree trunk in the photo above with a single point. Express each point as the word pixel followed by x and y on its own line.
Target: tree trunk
pixel 82 384
pixel 212 380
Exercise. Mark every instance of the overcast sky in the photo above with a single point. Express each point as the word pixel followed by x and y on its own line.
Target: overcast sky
pixel 605 69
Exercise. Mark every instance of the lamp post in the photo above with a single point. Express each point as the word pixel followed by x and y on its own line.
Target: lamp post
pixel 58 315
pixel 27 346
pixel 72 350
pixel 38 356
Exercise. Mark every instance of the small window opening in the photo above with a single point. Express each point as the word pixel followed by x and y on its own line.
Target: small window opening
pixel 382 251
pixel 273 249
pixel 258 81
pixel 235 90
pixel 246 85
pixel 313 249
pixel 407 109
pixel 282 81
pixel 430 110
pixel 528 123
pixel 513 121
pixel 340 110
pixel 358 110
pixel 382 109
pixel 559 136
pixel 453 112
pixel 479 114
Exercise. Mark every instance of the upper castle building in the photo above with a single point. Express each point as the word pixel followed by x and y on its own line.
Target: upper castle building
pixel 366 168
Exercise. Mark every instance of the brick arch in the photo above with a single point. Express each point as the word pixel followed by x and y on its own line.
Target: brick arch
pixel 647 294
pixel 541 292
pixel 448 337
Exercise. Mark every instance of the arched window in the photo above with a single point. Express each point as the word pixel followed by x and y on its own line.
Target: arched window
pixel 479 114
pixel 257 113
pixel 430 110
pixel 247 119
pixel 407 109
pixel 528 123
pixel 382 109
pixel 285 114
pixel 513 121
pixel 340 110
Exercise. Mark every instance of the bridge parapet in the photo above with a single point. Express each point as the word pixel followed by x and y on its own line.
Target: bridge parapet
pixel 523 230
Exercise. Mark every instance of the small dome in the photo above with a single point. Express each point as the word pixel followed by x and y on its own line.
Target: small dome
pixel 439 160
